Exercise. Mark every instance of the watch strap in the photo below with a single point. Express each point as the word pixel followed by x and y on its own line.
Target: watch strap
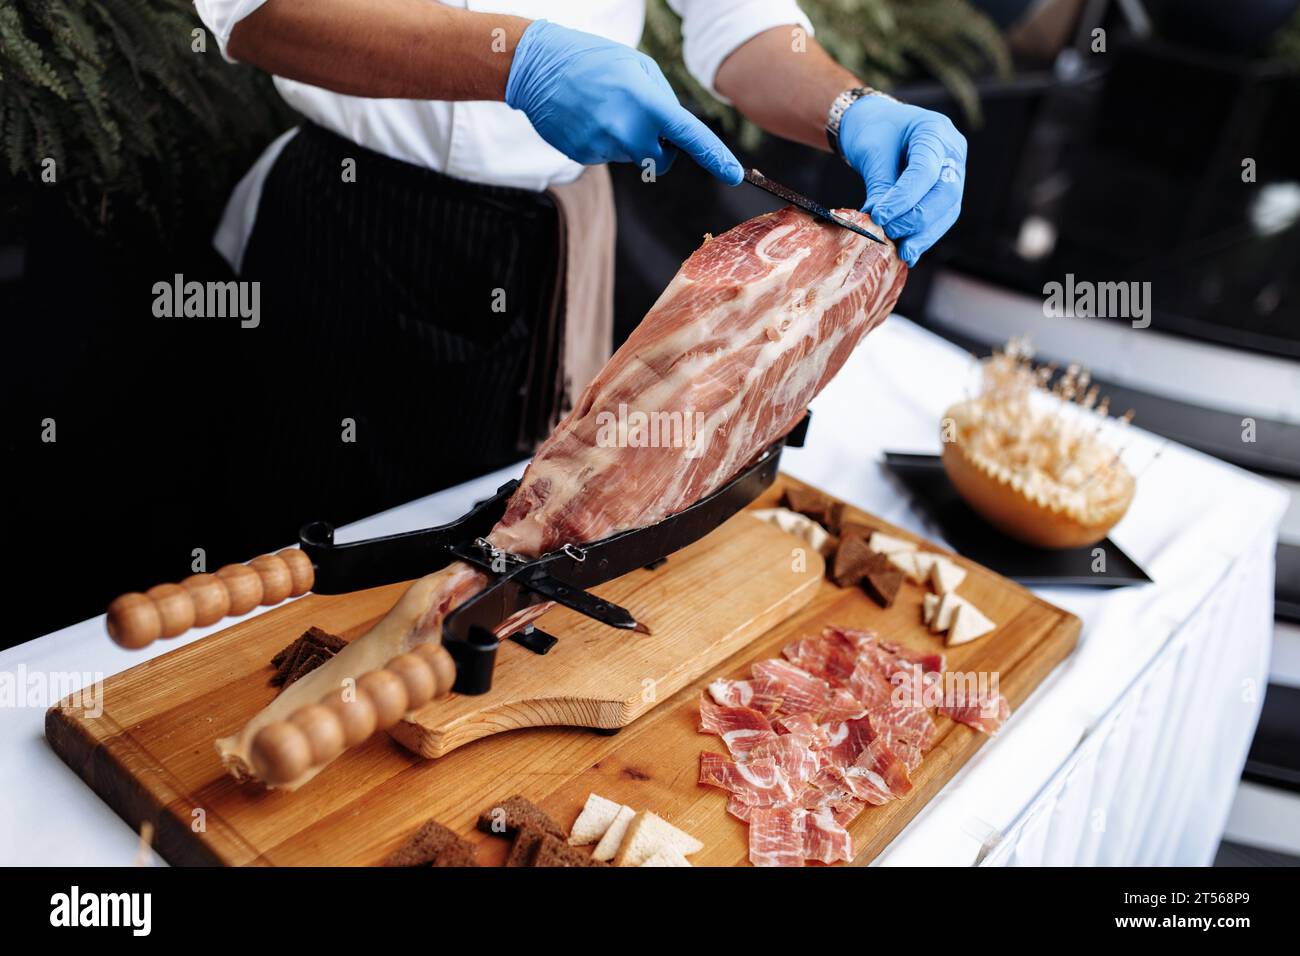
pixel 839 106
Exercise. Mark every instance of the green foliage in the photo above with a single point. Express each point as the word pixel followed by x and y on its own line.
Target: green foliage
pixel 1286 43
pixel 882 41
pixel 139 124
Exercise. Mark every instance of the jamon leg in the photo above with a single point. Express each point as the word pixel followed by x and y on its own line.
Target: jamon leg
pixel 757 321
pixel 285 758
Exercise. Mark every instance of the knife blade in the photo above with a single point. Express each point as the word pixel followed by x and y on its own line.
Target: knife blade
pixel 755 178
pixel 607 612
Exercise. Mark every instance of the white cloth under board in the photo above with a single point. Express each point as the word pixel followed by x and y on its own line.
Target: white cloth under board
pixel 1128 752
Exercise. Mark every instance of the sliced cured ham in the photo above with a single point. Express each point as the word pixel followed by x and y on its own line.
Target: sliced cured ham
pixel 932 663
pixel 906 750
pixel 740 728
pixel 857 744
pixel 804 724
pixel 788 836
pixel 863 784
pixel 801 692
pixel 842 705
pixel 760 782
pixel 846 811
pixel 825 789
pixel 852 727
pixel 829 656
pixel 847 739
pixel 739 809
pixel 908 722
pixel 796 724
pixel 776 836
pixel 755 695
pixel 828 789
pixel 870 684
pixel 881 763
pixel 890 656
pixel 887 663
pixel 824 837
pixel 887 688
pixel 793 753
pixel 986 713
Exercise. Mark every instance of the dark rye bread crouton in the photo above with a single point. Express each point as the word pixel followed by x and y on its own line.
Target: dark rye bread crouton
pixel 822 508
pixel 510 816
pixel 882 580
pixel 555 852
pixel 525 846
pixel 461 854
pixel 304 655
pixel 852 559
pixel 314 638
pixel 433 844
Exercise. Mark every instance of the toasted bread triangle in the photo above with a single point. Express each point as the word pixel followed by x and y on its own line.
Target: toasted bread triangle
pixel 968 623
pixel 596 816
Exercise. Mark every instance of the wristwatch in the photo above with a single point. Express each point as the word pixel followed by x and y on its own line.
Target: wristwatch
pixel 839 107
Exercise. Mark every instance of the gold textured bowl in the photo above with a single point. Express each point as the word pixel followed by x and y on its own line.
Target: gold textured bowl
pixel 1036 513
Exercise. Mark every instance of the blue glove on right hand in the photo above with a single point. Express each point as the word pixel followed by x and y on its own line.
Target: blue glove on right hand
pixel 878 135
pixel 598 101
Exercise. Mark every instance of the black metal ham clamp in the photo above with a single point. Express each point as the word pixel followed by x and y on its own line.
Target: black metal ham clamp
pixel 562 576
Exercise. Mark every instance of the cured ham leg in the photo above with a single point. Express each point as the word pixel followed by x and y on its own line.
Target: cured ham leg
pixel 750 329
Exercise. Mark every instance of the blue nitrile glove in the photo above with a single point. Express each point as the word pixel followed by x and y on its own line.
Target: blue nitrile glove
pixel 877 135
pixel 598 101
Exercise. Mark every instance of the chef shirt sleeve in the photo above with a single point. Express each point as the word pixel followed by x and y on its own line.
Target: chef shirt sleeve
pixel 713 29
pixel 220 17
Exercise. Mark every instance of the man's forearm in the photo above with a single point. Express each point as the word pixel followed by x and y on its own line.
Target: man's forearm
pixel 399 49
pixel 786 91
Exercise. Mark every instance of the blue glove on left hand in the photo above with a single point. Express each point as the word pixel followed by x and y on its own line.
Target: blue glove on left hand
pixel 598 101
pixel 876 135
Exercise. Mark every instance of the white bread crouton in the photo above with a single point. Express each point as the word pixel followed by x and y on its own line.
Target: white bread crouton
pixel 647 834
pixel 612 839
pixel 666 856
pixel 968 623
pixel 596 816
pixel 946 576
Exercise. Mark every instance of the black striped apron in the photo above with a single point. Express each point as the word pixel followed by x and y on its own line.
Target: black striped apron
pixel 422 308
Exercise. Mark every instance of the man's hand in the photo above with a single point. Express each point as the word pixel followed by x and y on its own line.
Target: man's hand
pixel 878 136
pixel 788 91
pixel 598 101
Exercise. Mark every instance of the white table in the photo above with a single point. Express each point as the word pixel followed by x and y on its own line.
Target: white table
pixel 1128 753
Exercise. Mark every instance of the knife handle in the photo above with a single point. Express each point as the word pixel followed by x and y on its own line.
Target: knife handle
pixel 136 620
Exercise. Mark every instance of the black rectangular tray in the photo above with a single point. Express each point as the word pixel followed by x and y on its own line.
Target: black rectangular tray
pixel 974 538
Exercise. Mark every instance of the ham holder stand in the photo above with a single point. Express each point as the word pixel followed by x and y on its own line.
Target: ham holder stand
pixel 562 576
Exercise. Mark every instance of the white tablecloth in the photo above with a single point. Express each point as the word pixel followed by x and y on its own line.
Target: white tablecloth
pixel 1129 752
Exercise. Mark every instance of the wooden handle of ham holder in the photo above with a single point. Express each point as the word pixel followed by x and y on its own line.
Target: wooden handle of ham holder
pixel 137 620
pixel 314 734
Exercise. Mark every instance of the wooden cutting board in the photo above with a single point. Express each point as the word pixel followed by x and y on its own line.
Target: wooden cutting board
pixel 733 598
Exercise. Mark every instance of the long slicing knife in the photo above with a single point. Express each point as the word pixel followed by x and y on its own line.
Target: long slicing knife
pixel 754 177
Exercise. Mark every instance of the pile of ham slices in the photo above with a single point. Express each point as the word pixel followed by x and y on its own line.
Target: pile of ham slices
pixel 814 738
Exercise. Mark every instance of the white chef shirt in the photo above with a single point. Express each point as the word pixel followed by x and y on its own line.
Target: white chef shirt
pixel 482 141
